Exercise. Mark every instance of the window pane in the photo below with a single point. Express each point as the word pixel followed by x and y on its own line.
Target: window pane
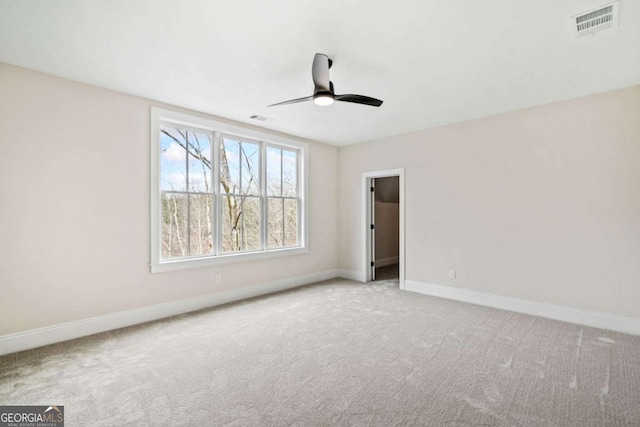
pixel 173 160
pixel 289 173
pixel 274 171
pixel 231 224
pixel 199 162
pixel 200 228
pixel 250 154
pixel 290 222
pixel 229 166
pixel 174 225
pixel 275 231
pixel 251 224
pixel 240 223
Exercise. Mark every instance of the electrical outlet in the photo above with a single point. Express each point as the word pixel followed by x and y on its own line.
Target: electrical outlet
pixel 218 278
pixel 452 274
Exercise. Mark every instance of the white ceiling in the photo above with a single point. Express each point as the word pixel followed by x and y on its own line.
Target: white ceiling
pixel 432 62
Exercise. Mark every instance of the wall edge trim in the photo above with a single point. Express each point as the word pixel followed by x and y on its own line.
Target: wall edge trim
pixel 358 276
pixel 383 262
pixel 39 337
pixel 612 322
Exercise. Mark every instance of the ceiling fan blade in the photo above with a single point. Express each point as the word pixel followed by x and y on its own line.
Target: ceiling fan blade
pixel 293 101
pixel 320 72
pixel 359 99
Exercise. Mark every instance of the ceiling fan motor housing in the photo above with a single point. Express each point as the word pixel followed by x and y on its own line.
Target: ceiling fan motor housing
pixel 323 92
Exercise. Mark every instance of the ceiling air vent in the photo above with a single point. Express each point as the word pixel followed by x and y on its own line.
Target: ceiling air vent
pixel 260 118
pixel 595 20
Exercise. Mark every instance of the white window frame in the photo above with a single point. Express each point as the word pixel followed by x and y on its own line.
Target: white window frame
pixel 161 116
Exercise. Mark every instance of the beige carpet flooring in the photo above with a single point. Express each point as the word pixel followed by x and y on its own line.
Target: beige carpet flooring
pixel 338 353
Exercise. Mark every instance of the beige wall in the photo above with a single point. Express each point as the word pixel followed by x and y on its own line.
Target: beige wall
pixel 541 204
pixel 74 208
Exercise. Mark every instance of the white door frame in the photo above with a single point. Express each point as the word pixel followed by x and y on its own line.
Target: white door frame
pixel 366 219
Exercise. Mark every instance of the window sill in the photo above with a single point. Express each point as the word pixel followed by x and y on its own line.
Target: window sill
pixel 184 264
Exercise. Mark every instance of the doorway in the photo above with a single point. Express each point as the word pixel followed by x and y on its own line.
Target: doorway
pixel 383 215
pixel 386 228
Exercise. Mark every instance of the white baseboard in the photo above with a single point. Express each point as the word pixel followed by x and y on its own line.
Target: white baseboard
pixel 358 276
pixel 627 325
pixel 382 262
pixel 71 330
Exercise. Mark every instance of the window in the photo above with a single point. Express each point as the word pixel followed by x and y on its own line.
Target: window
pixel 282 197
pixel 223 193
pixel 240 187
pixel 186 192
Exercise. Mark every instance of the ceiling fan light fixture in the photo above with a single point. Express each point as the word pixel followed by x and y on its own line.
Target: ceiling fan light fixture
pixel 323 100
pixel 323 93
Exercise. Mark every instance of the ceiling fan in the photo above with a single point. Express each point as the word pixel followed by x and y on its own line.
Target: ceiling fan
pixel 323 93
